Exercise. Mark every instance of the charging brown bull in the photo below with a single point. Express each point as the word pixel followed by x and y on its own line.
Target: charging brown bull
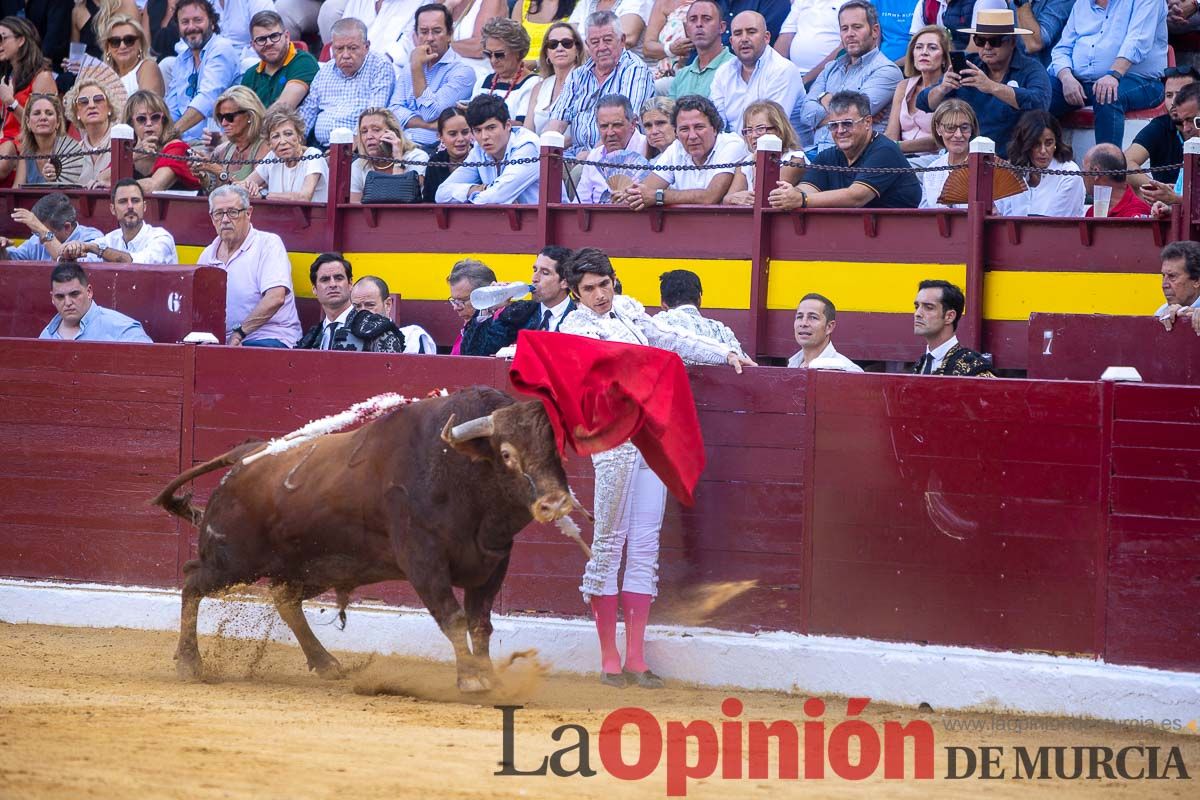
pixel 410 496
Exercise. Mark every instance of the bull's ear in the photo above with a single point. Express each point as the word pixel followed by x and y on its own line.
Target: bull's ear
pixel 473 438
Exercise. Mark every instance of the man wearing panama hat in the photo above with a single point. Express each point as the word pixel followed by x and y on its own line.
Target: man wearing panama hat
pixel 999 82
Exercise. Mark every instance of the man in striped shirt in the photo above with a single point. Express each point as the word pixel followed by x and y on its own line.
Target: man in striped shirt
pixel 611 69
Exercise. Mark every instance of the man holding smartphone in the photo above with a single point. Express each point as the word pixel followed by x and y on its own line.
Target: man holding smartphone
pixel 999 82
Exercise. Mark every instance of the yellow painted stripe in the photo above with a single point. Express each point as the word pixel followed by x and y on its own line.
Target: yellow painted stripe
pixel 855 286
pixel 1016 295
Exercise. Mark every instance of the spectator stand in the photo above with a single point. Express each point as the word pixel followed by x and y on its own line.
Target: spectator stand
pixel 1079 127
pixel 754 262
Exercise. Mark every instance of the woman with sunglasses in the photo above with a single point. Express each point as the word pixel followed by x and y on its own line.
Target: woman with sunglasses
pixel 537 17
pixel 159 155
pixel 23 71
pixel 656 117
pixel 925 62
pixel 92 112
pixel 954 126
pixel 290 178
pixel 561 51
pixel 454 145
pixel 759 119
pixel 240 114
pixel 505 45
pixel 125 50
pixel 44 144
pixel 90 19
pixel 1037 141
pixel 385 148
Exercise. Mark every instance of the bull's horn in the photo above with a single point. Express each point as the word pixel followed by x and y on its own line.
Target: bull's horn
pixel 477 428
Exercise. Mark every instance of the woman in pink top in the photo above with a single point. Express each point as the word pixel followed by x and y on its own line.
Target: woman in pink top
pixel 927 59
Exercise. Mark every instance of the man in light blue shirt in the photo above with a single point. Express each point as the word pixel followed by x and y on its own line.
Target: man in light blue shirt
pixel 206 64
pixel 496 140
pixel 51 224
pixel 434 79
pixel 80 319
pixel 1111 56
pixel 354 79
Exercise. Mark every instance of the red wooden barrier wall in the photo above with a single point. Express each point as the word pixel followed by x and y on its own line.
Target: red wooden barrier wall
pixel 999 514
pixel 1080 347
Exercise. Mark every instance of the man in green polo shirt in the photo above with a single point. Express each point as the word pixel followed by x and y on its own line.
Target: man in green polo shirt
pixel 284 73
pixel 705 26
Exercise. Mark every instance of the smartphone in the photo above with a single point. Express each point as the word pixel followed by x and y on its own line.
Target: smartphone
pixel 958 61
pixel 385 148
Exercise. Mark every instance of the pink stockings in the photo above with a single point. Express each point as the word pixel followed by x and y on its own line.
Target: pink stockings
pixel 637 611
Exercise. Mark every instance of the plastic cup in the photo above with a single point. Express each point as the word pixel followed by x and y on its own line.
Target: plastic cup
pixel 75 56
pixel 1101 197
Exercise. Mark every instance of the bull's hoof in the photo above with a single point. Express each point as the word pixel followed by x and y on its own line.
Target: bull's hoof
pixel 330 670
pixel 473 684
pixel 646 680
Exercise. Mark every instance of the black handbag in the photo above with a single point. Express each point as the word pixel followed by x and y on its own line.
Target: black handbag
pixel 384 187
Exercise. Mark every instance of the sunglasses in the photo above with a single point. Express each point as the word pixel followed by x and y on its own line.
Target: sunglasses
pixel 231 116
pixel 759 130
pixel 94 100
pixel 269 38
pixel 989 41
pixel 142 119
pixel 123 41
pixel 193 84
pixel 842 124
pixel 494 55
pixel 1186 71
pixel 565 44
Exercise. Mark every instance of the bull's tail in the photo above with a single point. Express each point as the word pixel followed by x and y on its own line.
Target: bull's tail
pixel 181 505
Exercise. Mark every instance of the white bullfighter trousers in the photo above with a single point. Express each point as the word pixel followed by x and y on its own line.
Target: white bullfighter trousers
pixel 629 505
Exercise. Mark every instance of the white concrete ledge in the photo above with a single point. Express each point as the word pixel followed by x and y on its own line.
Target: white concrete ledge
pixel 905 674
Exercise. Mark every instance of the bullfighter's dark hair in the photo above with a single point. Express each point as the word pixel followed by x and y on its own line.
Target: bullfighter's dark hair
pixel 830 311
pixel 560 256
pixel 329 258
pixel 68 271
pixel 952 298
pixel 679 287
pixel 588 261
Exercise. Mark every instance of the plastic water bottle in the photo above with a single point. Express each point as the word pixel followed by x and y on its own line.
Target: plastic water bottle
pixel 486 297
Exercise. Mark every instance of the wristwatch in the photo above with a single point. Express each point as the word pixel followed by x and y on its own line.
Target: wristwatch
pixel 240 331
pixel 224 176
pixel 659 196
pixel 46 236
pixel 263 193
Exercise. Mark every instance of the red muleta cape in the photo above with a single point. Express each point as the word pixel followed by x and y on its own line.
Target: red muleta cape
pixel 599 394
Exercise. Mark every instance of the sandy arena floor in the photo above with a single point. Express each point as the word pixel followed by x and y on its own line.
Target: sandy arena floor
pixel 99 713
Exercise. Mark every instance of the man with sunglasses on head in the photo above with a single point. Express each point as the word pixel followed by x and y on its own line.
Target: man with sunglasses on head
pixel 856 145
pixel 999 82
pixel 1161 141
pixel 260 306
pixel 206 64
pixel 283 73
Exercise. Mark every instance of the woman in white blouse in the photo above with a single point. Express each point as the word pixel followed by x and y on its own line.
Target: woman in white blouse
pixel 505 45
pixel 1037 141
pixel 762 118
pixel 629 497
pixel 289 178
pixel 561 52
pixel 954 125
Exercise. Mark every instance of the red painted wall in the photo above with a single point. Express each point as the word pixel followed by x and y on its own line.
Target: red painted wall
pixel 1014 515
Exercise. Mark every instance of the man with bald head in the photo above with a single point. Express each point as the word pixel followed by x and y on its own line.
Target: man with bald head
pixel 1125 201
pixel 756 72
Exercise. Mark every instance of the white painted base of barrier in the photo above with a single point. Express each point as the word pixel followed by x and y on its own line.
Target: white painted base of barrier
pixel 904 674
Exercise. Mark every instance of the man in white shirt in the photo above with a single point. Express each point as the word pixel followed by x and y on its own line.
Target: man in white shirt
pixel 698 143
pixel 936 312
pixel 813 327
pixel 756 72
pixel 496 140
pixel 386 20
pixel 618 131
pixel 135 241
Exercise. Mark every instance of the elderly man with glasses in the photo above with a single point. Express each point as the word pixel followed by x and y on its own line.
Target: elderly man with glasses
pixel 999 82
pixel 283 73
pixel 856 145
pixel 260 307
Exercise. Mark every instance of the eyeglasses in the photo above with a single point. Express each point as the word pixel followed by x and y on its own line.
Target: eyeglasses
pixel 455 303
pixel 964 129
pixel 269 38
pixel 1185 71
pixel 94 100
pixel 231 213
pixel 494 55
pixel 123 41
pixel 193 84
pixel 989 41
pixel 760 130
pixel 231 116
pixel 154 119
pixel 565 44
pixel 842 124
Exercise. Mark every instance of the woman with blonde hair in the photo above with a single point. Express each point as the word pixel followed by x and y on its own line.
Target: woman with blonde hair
pixel 925 62
pixel 91 18
pixel 92 111
pixel 126 48
pixel 383 146
pixel 954 126
pixel 289 178
pixel 240 114
pixel 159 155
pixel 656 114
pixel 560 51
pixel 46 149
pixel 762 118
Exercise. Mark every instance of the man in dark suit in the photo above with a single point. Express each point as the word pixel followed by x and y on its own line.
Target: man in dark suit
pixel 550 305
pixel 936 312
pixel 342 327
